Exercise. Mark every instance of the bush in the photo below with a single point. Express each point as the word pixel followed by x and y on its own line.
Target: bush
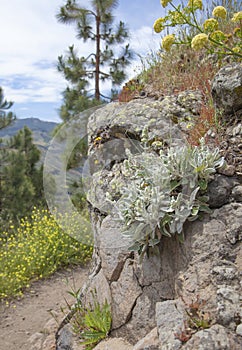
pixel 36 249
pixel 209 35
pixel 165 191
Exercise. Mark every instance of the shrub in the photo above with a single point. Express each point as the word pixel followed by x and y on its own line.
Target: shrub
pixel 165 191
pixel 36 249
pixel 93 323
pixel 208 35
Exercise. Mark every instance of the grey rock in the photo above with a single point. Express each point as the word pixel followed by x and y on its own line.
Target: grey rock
pixel 217 338
pixel 149 342
pixel 239 329
pixel 143 313
pixel 113 249
pixel 227 88
pixel 228 301
pixel 219 191
pixel 98 284
pixel 65 338
pixel 149 271
pixel 169 318
pixel 237 193
pixel 124 295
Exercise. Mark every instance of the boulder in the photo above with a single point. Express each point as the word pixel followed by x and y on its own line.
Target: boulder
pixel 227 89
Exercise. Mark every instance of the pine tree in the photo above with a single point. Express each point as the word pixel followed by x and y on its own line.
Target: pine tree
pixel 21 178
pixel 6 118
pixel 94 24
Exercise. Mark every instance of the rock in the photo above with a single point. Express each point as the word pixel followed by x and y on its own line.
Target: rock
pixel 237 193
pixel 100 287
pixel 149 342
pixel 227 88
pixel 124 295
pixel 228 170
pixel 169 317
pixel 65 338
pixel 36 341
pixel 228 301
pixel 217 338
pixel 113 249
pixel 239 329
pixel 114 344
pixel 219 191
pixel 49 343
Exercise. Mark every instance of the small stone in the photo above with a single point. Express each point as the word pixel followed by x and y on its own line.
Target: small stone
pixel 228 170
pixel 237 193
pixel 239 329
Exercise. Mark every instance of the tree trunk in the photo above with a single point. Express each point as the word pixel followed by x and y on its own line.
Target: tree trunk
pixel 97 72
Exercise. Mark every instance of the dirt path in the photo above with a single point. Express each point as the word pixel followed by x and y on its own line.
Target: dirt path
pixel 23 318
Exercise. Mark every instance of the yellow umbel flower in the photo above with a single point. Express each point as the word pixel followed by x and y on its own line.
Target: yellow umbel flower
pixel 210 24
pixel 158 25
pixel 220 11
pixel 218 36
pixel 237 17
pixel 195 4
pixel 199 41
pixel 164 3
pixel 167 42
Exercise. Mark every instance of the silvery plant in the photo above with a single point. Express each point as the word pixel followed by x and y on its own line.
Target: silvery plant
pixel 164 192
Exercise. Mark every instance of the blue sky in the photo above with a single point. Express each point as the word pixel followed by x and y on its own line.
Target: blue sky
pixel 32 39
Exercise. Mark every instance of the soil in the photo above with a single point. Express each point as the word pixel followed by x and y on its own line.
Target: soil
pixel 28 315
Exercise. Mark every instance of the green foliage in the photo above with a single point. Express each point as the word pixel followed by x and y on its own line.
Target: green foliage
pixel 35 249
pixel 210 34
pixel 93 323
pixel 6 118
pixel 21 178
pixel 165 191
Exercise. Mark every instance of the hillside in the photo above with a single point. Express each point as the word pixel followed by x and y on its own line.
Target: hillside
pixel 41 130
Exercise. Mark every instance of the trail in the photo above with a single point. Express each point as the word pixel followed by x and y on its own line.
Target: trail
pixel 26 316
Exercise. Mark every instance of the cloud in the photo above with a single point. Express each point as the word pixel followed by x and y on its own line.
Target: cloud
pixel 31 43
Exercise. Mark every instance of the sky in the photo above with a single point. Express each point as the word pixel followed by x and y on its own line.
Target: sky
pixel 32 39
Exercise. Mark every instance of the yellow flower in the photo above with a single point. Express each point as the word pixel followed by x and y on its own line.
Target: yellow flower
pixel 164 3
pixel 210 24
pixel 167 42
pixel 220 11
pixel 237 49
pixel 237 17
pixel 195 4
pixel 199 41
pixel 218 35
pixel 158 25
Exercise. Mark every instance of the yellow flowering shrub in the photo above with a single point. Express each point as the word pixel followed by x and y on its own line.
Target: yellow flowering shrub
pixel 209 35
pixel 36 249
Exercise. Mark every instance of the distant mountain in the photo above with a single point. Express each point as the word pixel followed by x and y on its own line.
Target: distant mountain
pixel 41 130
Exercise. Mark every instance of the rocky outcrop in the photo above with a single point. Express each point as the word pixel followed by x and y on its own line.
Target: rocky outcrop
pixel 227 89
pixel 185 295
